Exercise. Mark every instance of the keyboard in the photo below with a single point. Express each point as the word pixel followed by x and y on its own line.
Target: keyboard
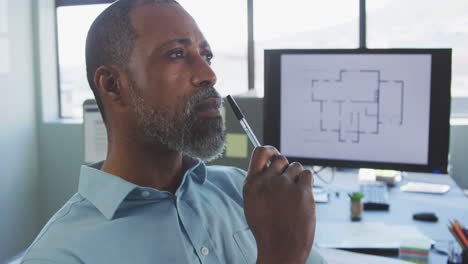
pixel 375 196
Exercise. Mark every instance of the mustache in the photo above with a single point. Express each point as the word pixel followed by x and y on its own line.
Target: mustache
pixel 205 93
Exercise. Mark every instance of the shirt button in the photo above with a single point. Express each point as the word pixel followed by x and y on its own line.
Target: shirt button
pixel 205 251
pixel 145 194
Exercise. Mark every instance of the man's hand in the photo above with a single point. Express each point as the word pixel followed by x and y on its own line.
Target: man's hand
pixel 279 207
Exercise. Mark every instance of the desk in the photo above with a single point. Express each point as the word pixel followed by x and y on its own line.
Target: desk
pixel 452 205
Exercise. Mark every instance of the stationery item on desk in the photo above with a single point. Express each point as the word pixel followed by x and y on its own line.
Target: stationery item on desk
pixel 454 253
pixel 244 124
pixel 458 232
pixel 455 236
pixel 367 235
pixel 426 216
pixel 461 232
pixel 390 177
pixel 424 187
pixel 415 250
pixel 439 248
pixel 336 256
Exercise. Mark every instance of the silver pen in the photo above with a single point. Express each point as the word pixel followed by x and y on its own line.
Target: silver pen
pixel 242 121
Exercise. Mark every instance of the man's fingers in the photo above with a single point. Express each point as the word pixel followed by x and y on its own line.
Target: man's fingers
pixel 305 178
pixel 278 164
pixel 260 158
pixel 293 170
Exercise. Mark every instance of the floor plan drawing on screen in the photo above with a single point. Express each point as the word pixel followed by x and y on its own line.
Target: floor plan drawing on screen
pixel 356 106
pixel 357 102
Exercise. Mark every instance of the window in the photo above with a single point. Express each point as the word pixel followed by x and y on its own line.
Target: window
pixel 303 24
pixel 404 24
pixel 74 88
pixel 228 42
pixel 277 24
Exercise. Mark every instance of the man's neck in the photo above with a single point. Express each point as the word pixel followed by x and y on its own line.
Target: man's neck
pixel 149 166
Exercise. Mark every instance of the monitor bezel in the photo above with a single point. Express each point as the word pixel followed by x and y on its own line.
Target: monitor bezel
pixel 440 100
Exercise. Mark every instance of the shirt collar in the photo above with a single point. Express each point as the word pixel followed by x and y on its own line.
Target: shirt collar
pixel 107 192
pixel 103 190
pixel 196 168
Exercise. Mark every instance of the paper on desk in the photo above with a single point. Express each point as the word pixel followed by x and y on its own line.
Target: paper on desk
pixel 335 256
pixel 365 235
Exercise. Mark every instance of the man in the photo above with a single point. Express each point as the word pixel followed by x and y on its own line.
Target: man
pixel 153 200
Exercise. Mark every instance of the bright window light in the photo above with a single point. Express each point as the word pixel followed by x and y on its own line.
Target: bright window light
pixel 74 88
pixel 405 24
pixel 303 24
pixel 225 30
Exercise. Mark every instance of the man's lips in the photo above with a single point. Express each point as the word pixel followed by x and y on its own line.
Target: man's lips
pixel 209 106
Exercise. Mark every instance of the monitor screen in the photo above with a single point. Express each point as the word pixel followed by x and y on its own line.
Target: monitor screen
pixel 385 109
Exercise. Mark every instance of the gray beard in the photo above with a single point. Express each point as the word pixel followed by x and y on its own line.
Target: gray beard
pixel 202 138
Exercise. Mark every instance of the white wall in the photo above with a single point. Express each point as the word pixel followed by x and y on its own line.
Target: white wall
pixel 19 168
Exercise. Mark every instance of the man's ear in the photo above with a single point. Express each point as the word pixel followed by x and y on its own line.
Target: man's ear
pixel 109 85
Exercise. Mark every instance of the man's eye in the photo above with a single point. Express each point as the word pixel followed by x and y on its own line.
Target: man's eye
pixel 177 54
pixel 209 57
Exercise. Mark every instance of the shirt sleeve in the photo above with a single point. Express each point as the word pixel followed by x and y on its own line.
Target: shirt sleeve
pixel 41 260
pixel 50 256
pixel 315 257
pixel 38 261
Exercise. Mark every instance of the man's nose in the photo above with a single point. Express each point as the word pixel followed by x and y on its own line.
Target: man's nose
pixel 202 74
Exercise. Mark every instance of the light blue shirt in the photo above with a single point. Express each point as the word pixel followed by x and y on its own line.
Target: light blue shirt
pixel 114 221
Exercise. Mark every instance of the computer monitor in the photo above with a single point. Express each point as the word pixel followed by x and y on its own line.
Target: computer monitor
pixel 365 108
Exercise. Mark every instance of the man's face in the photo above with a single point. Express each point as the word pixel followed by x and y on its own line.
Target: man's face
pixel 171 82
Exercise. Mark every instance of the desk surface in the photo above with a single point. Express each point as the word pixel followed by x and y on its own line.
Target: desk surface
pixel 452 205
